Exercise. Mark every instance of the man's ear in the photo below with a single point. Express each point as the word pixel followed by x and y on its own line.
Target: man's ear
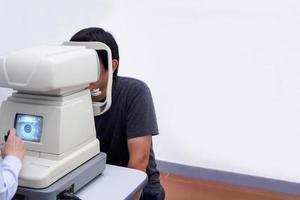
pixel 115 64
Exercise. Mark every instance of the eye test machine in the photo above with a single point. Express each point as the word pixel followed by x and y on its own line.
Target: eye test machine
pixel 53 113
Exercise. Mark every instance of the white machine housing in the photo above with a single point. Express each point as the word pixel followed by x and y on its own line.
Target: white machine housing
pixel 51 83
pixel 49 69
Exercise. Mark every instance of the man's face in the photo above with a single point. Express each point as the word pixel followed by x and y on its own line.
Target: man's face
pixel 101 83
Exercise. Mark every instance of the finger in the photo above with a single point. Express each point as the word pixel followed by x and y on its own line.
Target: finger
pixel 19 141
pixel 12 134
pixel 17 136
pixel 12 131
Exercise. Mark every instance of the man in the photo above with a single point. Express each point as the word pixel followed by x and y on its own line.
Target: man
pixel 12 153
pixel 125 131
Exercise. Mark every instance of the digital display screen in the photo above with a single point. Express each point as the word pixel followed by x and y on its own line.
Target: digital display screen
pixel 29 127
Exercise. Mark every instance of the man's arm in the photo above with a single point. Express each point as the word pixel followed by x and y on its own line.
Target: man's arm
pixel 139 150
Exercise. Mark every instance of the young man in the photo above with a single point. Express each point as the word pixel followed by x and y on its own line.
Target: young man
pixel 12 153
pixel 125 131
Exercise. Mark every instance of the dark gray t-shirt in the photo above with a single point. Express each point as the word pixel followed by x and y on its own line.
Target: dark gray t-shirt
pixel 131 115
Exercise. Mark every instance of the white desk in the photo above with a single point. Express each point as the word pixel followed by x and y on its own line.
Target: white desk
pixel 115 183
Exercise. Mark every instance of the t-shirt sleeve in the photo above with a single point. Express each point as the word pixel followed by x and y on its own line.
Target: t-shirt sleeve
pixel 140 113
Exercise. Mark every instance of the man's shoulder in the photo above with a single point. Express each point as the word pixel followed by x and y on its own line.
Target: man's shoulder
pixel 131 83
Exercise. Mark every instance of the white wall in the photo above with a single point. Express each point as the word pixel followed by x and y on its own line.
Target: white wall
pixel 224 74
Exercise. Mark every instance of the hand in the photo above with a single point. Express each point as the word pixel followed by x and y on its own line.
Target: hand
pixel 14 146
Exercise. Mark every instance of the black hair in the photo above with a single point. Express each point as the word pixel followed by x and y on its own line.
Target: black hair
pixel 95 34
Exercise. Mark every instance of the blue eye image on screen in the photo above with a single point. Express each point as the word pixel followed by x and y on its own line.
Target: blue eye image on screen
pixel 29 127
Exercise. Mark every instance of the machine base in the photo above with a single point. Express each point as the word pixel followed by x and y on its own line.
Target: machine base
pixel 73 181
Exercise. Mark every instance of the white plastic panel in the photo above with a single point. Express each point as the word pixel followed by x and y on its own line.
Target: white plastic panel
pixel 48 68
